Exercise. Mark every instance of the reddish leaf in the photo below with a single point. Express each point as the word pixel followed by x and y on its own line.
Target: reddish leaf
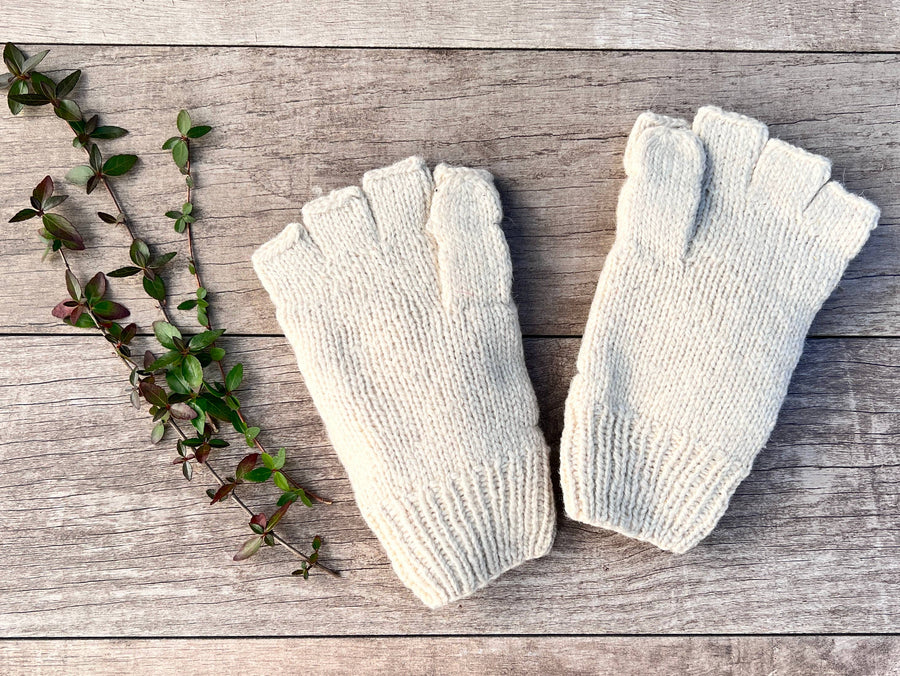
pixel 183 412
pixel 222 493
pixel 154 394
pixel 62 310
pixel 43 190
pixel 276 516
pixel 249 548
pixel 259 519
pixel 204 450
pixel 245 465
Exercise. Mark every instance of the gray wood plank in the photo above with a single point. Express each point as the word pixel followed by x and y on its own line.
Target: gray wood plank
pixel 103 537
pixel 734 656
pixel 292 124
pixel 873 25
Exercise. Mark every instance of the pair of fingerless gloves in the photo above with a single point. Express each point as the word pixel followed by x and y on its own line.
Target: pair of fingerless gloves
pixel 396 299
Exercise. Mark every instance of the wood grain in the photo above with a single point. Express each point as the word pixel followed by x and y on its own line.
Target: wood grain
pixel 292 124
pixel 102 537
pixel 599 656
pixel 831 25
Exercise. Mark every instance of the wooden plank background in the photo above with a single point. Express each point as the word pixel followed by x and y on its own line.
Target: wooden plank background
pixel 102 537
pixel 829 25
pixel 598 656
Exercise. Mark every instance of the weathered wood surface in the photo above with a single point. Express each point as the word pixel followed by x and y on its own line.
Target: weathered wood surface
pixel 598 656
pixel 832 25
pixel 102 537
pixel 290 124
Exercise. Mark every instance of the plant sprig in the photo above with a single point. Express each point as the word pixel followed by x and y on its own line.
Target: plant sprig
pixel 174 384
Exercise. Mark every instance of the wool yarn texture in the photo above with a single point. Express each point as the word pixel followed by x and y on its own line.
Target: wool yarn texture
pixel 396 298
pixel 727 244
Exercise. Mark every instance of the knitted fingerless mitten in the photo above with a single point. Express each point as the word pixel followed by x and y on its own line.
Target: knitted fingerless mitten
pixel 396 300
pixel 727 245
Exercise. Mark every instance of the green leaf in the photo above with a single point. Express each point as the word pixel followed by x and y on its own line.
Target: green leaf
pixel 316 543
pixel 216 353
pixel 16 88
pixel 72 285
pixel 108 132
pixel 251 434
pixel 127 271
pixel 165 361
pixel 157 434
pixel 95 289
pixel 173 214
pixel 304 498
pixel 32 61
pixel 198 131
pixel 235 377
pixel 54 201
pixel 24 215
pixel 43 85
pixel 183 122
pixel 160 261
pixel 188 470
pixel 192 372
pixel 268 460
pixel 139 253
pixel 96 158
pixel 279 459
pixel 170 142
pixel 180 153
pixel 67 84
pixel 187 305
pixel 175 379
pixel 62 230
pixel 203 340
pixel 249 548
pixel 13 58
pixel 256 528
pixel 214 406
pixel 119 164
pixel 85 322
pixel 281 481
pixel 165 332
pixel 187 208
pixel 107 309
pixel 30 99
pixel 80 175
pixel 67 109
pixel 155 288
pixel 107 218
pixel 258 475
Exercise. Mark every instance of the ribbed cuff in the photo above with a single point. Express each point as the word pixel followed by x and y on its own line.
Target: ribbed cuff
pixel 628 475
pixel 446 542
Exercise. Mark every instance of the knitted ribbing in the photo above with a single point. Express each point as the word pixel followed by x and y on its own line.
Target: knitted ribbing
pixel 727 244
pixel 396 300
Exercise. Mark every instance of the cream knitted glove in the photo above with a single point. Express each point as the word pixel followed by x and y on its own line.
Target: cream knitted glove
pixel 396 300
pixel 727 245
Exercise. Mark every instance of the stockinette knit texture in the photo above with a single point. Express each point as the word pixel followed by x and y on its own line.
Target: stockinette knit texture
pixel 396 300
pixel 728 243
